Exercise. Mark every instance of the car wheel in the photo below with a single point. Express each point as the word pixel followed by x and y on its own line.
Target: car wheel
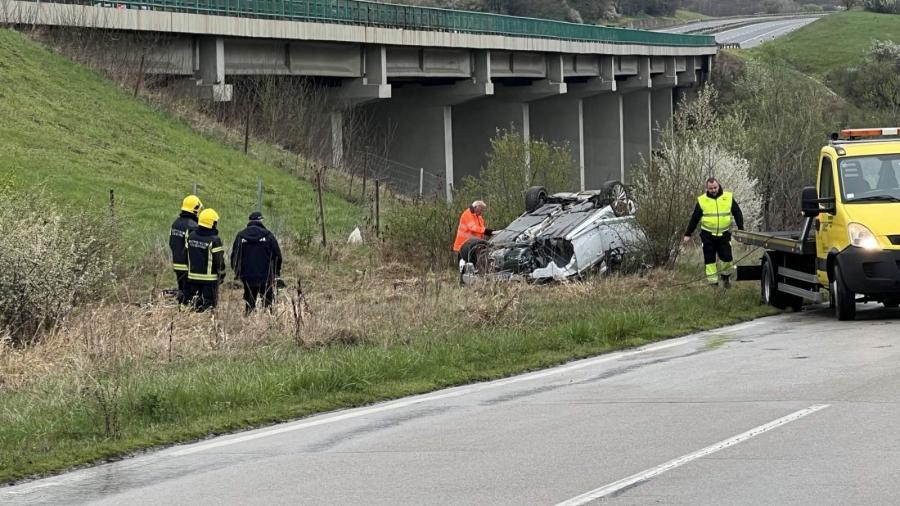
pixel 617 194
pixel 844 299
pixel 535 197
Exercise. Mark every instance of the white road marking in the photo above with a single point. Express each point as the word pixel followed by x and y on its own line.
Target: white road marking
pixel 680 461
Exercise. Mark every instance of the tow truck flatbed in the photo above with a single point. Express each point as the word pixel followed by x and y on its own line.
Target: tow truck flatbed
pixel 787 241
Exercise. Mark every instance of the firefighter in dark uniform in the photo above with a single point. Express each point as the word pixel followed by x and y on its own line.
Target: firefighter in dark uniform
pixel 713 212
pixel 181 228
pixel 206 262
pixel 256 261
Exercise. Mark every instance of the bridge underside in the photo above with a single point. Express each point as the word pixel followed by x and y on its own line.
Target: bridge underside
pixel 440 107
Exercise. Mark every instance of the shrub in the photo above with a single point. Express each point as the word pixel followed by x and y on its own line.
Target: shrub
pixel 52 260
pixel 512 167
pixel 667 184
pixel 786 119
pixel 883 6
pixel 421 233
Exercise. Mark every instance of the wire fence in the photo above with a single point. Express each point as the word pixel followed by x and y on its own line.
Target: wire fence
pixel 405 179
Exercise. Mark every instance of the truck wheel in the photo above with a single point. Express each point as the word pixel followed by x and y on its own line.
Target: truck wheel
pixel 770 294
pixel 844 299
pixel 535 197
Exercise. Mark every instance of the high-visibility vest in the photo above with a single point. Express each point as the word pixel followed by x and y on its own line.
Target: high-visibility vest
pixel 471 226
pixel 716 213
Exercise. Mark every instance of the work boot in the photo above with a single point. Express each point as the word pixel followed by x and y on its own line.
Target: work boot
pixel 726 281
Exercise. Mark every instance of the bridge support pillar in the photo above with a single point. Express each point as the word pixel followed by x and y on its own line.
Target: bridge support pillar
pixel 475 124
pixel 561 119
pixel 637 128
pixel 419 136
pixel 662 108
pixel 210 55
pixel 603 141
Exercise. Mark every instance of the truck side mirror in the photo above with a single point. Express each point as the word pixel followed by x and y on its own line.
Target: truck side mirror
pixel 811 204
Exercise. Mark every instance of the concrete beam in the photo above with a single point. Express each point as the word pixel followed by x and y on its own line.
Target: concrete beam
pixel 603 142
pixel 669 77
pixel 553 84
pixel 561 119
pixel 478 86
pixel 640 81
pixel 604 83
pixel 371 87
pixel 211 69
pixel 636 128
pixel 688 77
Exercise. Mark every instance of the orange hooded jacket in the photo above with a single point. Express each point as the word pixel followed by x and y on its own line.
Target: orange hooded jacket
pixel 470 226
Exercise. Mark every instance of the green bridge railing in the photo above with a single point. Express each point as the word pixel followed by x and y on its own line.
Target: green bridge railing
pixel 366 13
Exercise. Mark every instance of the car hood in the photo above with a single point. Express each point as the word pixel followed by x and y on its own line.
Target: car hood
pixel 879 217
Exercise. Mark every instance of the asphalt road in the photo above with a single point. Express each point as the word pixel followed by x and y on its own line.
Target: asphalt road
pixel 793 409
pixel 756 34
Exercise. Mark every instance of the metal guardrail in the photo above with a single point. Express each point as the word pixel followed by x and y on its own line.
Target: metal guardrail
pixel 367 13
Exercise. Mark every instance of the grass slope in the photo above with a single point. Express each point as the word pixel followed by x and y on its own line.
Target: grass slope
pixel 70 130
pixel 59 423
pixel 833 42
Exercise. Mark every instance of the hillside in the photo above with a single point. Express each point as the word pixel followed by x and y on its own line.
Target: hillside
pixel 833 42
pixel 73 132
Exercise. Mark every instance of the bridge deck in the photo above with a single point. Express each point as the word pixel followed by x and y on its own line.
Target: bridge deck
pixel 365 13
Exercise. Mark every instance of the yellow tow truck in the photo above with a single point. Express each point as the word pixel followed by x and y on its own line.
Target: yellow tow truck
pixel 849 243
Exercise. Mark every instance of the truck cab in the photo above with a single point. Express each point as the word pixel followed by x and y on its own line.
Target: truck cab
pixel 849 245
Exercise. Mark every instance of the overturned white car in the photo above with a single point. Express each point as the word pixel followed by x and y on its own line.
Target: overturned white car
pixel 559 236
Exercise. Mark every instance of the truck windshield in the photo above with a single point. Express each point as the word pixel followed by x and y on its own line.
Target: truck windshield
pixel 870 178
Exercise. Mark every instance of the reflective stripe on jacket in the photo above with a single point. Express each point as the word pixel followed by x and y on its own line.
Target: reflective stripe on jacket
pixel 471 226
pixel 181 228
pixel 716 213
pixel 206 257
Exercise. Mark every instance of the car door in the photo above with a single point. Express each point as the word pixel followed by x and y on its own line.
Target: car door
pixel 825 223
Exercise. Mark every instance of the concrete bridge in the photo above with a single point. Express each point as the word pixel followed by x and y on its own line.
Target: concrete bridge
pixel 442 81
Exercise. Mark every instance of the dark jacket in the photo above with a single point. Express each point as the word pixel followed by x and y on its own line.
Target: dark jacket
pixel 181 228
pixel 697 215
pixel 255 255
pixel 206 257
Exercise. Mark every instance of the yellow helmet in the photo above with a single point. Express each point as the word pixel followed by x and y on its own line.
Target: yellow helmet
pixel 208 218
pixel 191 204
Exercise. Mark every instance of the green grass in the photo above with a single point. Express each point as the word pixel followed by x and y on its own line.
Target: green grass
pixel 68 129
pixel 833 42
pixel 60 422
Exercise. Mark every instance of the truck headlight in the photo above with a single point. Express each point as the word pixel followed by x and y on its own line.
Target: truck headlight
pixel 861 236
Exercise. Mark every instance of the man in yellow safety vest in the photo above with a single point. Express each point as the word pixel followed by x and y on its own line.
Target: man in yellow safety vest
pixel 714 212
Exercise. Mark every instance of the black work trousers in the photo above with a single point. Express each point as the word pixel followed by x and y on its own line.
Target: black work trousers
pixel 714 246
pixel 255 289
pixel 182 280
pixel 203 296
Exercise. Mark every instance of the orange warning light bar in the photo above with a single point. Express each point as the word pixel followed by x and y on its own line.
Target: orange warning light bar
pixel 861 133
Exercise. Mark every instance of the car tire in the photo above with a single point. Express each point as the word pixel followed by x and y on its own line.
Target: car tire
pixel 844 299
pixel 472 249
pixel 535 197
